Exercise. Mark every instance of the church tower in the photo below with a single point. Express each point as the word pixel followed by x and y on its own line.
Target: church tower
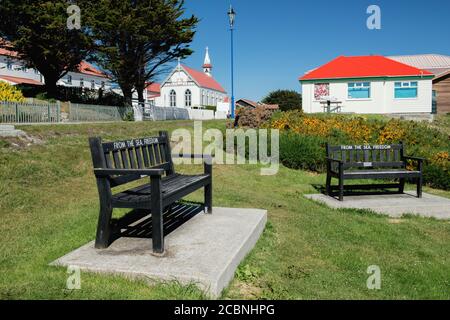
pixel 207 66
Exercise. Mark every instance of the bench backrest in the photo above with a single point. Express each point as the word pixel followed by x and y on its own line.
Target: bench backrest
pixel 143 153
pixel 368 156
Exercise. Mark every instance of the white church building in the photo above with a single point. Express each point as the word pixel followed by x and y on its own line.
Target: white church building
pixel 189 88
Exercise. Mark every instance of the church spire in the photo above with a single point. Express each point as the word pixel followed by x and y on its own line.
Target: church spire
pixel 207 66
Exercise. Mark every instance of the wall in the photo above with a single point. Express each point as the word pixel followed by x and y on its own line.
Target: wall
pixel 17 70
pixel 180 81
pixel 381 101
pixel 442 87
pixel 76 81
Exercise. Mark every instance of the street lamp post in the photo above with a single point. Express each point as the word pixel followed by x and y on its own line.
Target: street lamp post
pixel 231 16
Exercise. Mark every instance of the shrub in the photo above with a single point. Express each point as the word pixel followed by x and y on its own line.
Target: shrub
pixel 254 118
pixel 10 93
pixel 286 99
pixel 302 152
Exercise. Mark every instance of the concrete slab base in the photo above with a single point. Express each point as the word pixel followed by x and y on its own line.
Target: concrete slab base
pixel 7 130
pixel 206 251
pixel 393 205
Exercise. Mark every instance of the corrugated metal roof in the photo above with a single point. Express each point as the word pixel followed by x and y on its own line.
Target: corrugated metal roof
pixel 435 63
pixel 363 67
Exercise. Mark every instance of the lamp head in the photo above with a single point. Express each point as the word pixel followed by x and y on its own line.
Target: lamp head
pixel 231 16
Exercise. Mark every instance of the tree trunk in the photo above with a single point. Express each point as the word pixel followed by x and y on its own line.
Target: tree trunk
pixel 50 85
pixel 127 92
pixel 140 91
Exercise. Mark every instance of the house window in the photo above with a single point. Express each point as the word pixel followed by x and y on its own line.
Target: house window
pixel 9 65
pixel 188 98
pixel 321 90
pixel 173 98
pixel 359 90
pixel 69 79
pixel 82 82
pixel 92 84
pixel 36 71
pixel 406 90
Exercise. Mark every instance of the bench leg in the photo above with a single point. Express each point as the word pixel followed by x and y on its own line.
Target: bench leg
pixel 401 188
pixel 103 228
pixel 328 185
pixel 157 216
pixel 208 198
pixel 341 189
pixel 419 187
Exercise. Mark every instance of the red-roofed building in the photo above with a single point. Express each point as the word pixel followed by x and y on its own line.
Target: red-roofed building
pixel 13 70
pixel 189 88
pixel 367 84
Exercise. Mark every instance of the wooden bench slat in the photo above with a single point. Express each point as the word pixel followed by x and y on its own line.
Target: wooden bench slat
pixel 117 159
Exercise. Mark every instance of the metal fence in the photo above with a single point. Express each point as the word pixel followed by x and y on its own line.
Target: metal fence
pixel 15 112
pixel 165 113
pixel 86 113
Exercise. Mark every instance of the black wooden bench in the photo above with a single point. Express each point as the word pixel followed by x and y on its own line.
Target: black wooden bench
pixel 121 162
pixel 371 162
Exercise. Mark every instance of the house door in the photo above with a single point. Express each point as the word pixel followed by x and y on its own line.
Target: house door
pixel 434 103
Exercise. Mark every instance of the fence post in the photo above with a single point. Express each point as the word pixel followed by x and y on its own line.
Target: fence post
pixel 58 110
pixel 70 112
pixel 17 112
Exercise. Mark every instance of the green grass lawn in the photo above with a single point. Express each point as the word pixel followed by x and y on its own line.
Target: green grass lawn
pixel 49 206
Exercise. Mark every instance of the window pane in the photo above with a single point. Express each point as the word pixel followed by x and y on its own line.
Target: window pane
pixel 359 90
pixel 398 84
pixel 414 84
pixel 359 93
pixel 403 93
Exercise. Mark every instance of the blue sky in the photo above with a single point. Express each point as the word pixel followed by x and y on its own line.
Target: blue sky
pixel 277 41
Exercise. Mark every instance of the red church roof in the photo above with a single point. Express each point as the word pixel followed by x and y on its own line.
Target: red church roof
pixel 363 67
pixel 204 80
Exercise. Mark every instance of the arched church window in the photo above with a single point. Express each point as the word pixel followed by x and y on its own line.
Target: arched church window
pixel 173 98
pixel 188 98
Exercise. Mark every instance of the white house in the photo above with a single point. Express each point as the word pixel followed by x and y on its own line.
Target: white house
pixel 368 84
pixel 87 77
pixel 189 88
pixel 13 71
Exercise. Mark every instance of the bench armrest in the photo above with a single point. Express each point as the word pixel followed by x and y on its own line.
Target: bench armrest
pixel 414 158
pixel 340 165
pixel 419 161
pixel 334 160
pixel 126 172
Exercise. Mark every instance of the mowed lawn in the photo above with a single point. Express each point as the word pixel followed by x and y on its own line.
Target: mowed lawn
pixel 49 206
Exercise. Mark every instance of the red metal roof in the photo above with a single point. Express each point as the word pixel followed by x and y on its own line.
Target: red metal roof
pixel 154 87
pixel 204 80
pixel 87 68
pixel 363 67
pixel 5 51
pixel 84 67
pixel 18 80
